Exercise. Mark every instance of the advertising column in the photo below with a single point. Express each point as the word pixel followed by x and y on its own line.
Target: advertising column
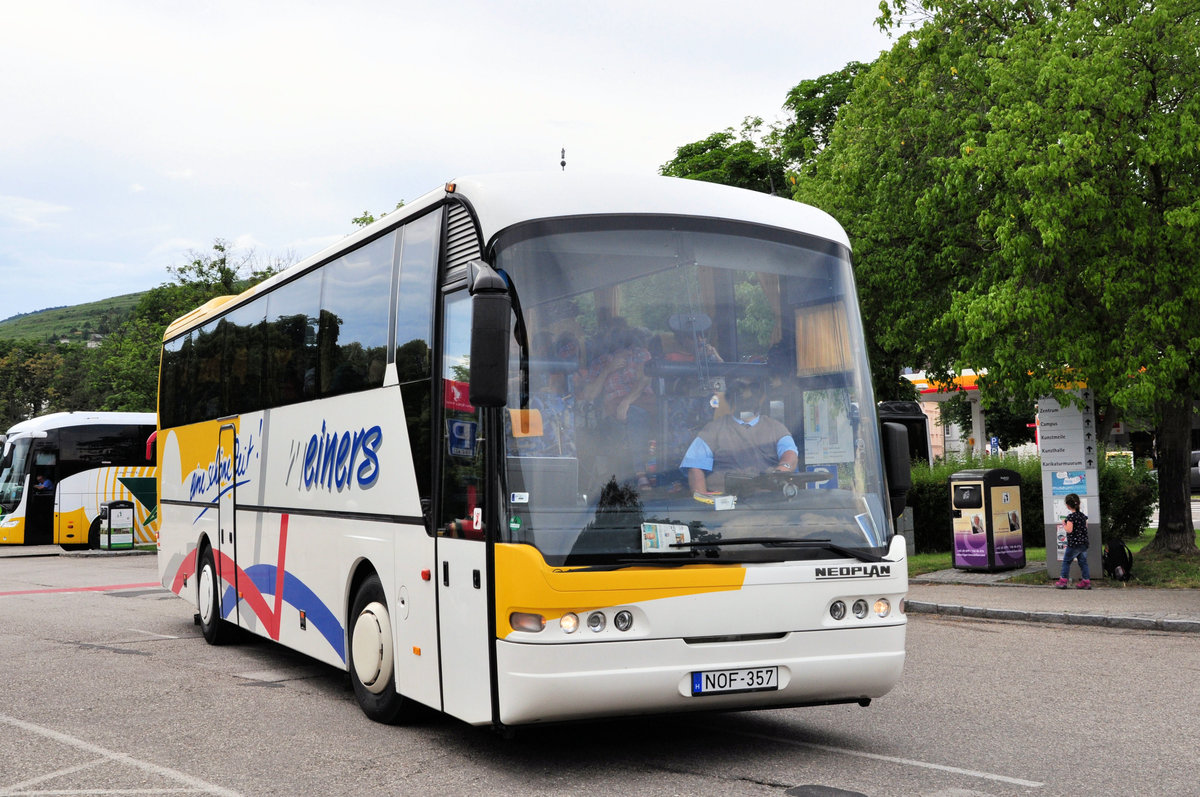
pixel 1070 460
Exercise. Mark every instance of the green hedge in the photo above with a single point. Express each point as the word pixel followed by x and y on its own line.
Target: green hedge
pixel 1128 496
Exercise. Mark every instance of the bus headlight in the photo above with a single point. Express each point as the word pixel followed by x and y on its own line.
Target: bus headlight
pixel 569 623
pixel 527 621
pixel 624 620
pixel 838 610
pixel 597 621
pixel 860 608
pixel 882 607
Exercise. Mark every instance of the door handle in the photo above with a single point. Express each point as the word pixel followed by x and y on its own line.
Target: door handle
pixel 445 574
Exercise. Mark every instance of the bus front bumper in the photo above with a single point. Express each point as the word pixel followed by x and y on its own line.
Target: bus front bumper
pixel 550 683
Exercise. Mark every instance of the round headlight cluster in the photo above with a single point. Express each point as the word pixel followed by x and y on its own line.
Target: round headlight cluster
pixel 569 623
pixel 860 608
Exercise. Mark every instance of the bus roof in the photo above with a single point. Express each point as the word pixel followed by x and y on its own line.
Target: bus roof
pixel 501 201
pixel 504 200
pixel 58 420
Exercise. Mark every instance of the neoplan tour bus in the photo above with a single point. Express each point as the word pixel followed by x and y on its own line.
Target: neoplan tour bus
pixel 59 471
pixel 477 455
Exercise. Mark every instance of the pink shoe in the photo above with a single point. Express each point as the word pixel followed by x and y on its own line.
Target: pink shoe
pixel 1062 583
pixel 1084 584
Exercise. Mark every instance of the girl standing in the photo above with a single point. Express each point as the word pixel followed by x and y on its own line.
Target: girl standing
pixel 1077 545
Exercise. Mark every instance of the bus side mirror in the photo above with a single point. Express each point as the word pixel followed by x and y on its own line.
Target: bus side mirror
pixel 491 317
pixel 896 465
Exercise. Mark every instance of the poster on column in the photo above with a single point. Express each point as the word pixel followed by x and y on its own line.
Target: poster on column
pixel 1062 484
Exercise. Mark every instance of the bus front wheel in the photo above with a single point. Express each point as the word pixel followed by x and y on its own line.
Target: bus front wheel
pixel 208 600
pixel 371 665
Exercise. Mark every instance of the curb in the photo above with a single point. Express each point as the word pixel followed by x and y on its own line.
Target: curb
pixel 1064 618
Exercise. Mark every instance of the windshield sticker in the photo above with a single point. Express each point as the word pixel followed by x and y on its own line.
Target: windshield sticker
pixel 830 483
pixel 461 437
pixel 659 537
pixel 518 498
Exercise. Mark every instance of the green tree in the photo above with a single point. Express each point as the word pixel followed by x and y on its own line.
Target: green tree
pixel 744 159
pixel 1037 164
pixel 814 105
pixel 368 217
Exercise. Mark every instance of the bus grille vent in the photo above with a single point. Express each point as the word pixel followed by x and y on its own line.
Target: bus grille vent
pixel 462 242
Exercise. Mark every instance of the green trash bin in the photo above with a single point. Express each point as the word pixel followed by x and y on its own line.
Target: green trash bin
pixel 116 526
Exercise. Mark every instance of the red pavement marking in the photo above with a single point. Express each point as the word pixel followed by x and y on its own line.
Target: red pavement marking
pixel 108 588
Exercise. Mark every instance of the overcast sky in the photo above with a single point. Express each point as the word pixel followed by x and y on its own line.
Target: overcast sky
pixel 132 132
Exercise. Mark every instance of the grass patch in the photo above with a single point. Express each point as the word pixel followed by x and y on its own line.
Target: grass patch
pixel 1150 569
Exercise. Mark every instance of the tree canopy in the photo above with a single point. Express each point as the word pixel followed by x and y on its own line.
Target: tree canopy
pixel 122 374
pixel 1019 181
pixel 1063 175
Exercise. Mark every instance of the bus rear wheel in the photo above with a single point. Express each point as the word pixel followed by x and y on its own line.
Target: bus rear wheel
pixel 370 659
pixel 208 600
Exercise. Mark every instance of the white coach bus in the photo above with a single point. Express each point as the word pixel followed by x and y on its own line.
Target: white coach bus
pixel 58 471
pixel 473 454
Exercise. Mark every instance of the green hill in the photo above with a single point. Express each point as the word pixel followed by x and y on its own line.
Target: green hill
pixel 75 323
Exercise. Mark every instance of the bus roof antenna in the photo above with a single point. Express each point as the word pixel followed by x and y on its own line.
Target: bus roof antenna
pixel 564 159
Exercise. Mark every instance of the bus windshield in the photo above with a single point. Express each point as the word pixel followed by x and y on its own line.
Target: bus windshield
pixel 686 390
pixel 13 469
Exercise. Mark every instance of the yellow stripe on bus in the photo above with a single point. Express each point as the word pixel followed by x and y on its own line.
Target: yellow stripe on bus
pixel 525 583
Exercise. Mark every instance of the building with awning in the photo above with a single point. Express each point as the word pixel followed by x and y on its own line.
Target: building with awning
pixel 944 439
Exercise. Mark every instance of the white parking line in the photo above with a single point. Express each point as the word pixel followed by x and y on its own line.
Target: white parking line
pixel 193 785
pixel 153 634
pixel 1032 784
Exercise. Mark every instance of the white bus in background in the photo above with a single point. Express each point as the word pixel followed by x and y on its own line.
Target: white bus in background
pixel 59 470
pixel 445 454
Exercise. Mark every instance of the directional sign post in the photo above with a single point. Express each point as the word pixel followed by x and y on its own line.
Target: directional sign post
pixel 1070 464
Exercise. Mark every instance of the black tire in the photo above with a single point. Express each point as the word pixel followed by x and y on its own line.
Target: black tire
pixel 208 599
pixel 373 671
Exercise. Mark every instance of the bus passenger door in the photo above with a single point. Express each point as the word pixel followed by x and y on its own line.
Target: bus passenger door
pixel 227 531
pixel 464 632
pixel 40 509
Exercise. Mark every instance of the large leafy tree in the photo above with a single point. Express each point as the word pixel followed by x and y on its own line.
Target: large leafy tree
pixel 1096 230
pixel 748 158
pixel 1020 181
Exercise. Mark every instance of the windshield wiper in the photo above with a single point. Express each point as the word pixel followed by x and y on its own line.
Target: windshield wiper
pixel 824 545
pixel 620 564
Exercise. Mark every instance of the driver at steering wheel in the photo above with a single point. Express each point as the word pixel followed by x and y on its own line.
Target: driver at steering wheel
pixel 742 443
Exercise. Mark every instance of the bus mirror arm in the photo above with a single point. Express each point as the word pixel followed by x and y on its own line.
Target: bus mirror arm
pixel 897 465
pixel 491 312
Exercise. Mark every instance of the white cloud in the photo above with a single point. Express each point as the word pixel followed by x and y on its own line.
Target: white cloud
pixel 149 129
pixel 29 214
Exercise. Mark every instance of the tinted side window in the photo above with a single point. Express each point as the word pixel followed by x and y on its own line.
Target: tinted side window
pixel 292 313
pixel 172 406
pixel 84 447
pixel 205 363
pixel 414 317
pixel 245 337
pixel 352 336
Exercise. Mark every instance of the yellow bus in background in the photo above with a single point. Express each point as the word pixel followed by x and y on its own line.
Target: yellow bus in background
pixel 58 471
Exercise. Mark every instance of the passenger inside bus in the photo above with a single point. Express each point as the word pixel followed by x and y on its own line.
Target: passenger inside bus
pixel 617 399
pixel 42 483
pixel 743 443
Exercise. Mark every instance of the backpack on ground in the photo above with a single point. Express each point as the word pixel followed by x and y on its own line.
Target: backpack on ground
pixel 1118 561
